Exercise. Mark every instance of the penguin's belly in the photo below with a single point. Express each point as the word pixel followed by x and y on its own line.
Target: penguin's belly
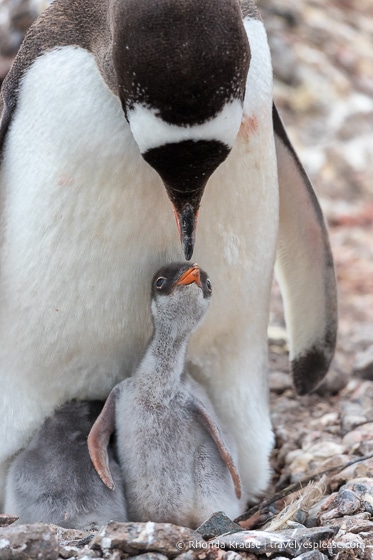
pixel 86 223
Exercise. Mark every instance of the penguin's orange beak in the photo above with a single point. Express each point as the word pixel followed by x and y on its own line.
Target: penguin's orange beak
pixel 190 276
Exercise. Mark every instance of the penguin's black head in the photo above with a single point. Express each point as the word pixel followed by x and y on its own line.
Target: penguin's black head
pixel 181 294
pixel 181 70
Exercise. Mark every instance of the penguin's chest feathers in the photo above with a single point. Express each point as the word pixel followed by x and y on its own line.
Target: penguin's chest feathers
pixel 96 225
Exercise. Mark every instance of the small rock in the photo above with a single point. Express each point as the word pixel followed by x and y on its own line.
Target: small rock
pixel 324 449
pixel 67 552
pixel 357 410
pixel 368 504
pixel 360 486
pixel 293 541
pixel 358 470
pixel 279 382
pixel 215 553
pixel 150 556
pixel 368 542
pixel 165 538
pixel 277 336
pixel 92 556
pixel 310 459
pixel 346 502
pixel 188 555
pixel 72 536
pixel 353 523
pixel 312 555
pixel 336 380
pixel 348 543
pixel 329 419
pixel 363 366
pixel 335 461
pixel 218 524
pixel 360 440
pixel 363 393
pixel 28 542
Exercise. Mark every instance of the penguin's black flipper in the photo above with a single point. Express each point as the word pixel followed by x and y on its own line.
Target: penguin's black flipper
pixel 208 422
pixel 304 269
pixel 98 439
pixel 5 118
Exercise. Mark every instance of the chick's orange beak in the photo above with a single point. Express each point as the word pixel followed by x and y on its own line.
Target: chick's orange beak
pixel 190 276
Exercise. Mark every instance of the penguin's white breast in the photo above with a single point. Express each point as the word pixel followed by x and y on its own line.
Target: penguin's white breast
pixel 86 222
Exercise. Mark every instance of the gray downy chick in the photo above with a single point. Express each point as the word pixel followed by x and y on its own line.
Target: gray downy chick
pixel 176 462
pixel 53 480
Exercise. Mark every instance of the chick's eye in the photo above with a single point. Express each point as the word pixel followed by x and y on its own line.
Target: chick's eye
pixel 208 284
pixel 160 282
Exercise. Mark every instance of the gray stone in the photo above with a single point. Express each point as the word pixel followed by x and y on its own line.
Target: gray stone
pixel 353 523
pixel 312 555
pixel 358 470
pixel 188 555
pixel 336 380
pixel 360 486
pixel 92 555
pixel 133 538
pixel 360 440
pixel 150 556
pixel 292 542
pixel 279 382
pixel 72 537
pixel 363 366
pixel 28 542
pixel 348 543
pixel 218 524
pixel 346 502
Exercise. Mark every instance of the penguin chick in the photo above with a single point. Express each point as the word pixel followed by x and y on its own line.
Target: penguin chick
pixel 176 463
pixel 53 480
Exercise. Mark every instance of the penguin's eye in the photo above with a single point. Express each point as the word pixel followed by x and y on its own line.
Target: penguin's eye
pixel 159 283
pixel 208 284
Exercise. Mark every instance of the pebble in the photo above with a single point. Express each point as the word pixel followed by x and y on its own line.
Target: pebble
pixel 348 543
pixel 345 502
pixel 336 380
pixel 133 538
pixel 218 524
pixel 279 382
pixel 150 556
pixel 310 459
pixel 360 440
pixel 352 523
pixel 358 470
pixel 360 486
pixel 312 555
pixel 292 542
pixel 363 366
pixel 30 542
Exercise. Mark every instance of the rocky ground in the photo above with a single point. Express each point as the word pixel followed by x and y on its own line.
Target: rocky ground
pixel 323 64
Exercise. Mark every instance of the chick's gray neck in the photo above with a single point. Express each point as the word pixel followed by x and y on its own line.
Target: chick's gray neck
pixel 164 359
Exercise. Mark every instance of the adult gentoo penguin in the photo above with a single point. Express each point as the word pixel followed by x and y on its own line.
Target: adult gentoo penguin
pixel 177 463
pixel 115 112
